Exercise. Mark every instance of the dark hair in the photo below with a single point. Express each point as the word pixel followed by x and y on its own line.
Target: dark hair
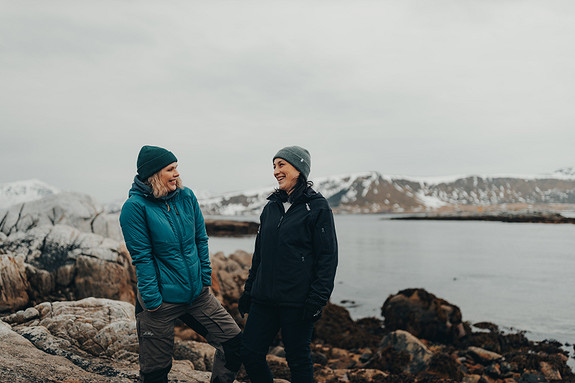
pixel 301 186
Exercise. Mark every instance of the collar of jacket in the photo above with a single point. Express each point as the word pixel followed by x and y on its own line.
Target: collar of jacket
pixel 308 195
pixel 144 190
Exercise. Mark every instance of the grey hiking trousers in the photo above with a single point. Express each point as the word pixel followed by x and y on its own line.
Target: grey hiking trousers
pixel 206 316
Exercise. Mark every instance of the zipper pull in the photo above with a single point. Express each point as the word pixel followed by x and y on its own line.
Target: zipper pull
pixel 280 222
pixel 168 206
pixel 176 210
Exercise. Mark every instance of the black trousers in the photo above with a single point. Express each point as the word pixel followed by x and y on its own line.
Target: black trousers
pixel 262 325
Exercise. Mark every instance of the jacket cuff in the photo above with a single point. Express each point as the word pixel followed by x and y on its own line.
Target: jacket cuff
pixel 153 304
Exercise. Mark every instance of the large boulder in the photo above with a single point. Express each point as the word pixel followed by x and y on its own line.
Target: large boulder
pixel 14 285
pixel 22 362
pixel 62 247
pixel 98 327
pixel 91 340
pixel 62 263
pixel 423 315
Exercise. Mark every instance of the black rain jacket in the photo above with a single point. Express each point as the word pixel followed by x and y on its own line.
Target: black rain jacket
pixel 295 256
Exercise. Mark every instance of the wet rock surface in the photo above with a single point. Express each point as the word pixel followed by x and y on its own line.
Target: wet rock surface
pixel 423 315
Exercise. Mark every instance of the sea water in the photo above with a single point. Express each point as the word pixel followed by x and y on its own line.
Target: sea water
pixel 520 276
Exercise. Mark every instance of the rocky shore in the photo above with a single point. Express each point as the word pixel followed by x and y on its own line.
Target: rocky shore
pixel 67 315
pixel 229 228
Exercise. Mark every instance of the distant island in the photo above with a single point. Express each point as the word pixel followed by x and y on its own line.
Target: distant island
pixel 536 217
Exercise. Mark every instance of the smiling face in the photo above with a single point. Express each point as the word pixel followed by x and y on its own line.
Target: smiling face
pixel 169 176
pixel 285 174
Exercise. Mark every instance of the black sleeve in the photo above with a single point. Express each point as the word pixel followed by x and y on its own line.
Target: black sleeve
pixel 255 264
pixel 325 258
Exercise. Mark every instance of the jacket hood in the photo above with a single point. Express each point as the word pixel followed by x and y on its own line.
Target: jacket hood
pixel 144 190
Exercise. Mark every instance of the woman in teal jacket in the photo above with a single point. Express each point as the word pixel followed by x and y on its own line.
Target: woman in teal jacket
pixel 166 236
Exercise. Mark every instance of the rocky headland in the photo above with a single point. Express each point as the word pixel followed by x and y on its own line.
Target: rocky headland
pixel 518 217
pixel 67 315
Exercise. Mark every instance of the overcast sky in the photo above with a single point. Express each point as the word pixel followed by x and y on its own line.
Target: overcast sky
pixel 418 88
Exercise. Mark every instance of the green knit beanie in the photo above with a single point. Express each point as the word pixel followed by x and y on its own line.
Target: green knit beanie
pixel 298 157
pixel 153 159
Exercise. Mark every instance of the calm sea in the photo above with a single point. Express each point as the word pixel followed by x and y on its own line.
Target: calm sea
pixel 519 276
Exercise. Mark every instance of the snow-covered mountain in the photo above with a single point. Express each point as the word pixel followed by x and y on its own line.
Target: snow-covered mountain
pixel 372 192
pixel 24 191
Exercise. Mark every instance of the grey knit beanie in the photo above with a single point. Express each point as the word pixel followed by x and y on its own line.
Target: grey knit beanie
pixel 153 159
pixel 298 157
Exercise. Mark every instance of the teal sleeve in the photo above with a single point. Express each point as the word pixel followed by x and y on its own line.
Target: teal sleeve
pixel 135 231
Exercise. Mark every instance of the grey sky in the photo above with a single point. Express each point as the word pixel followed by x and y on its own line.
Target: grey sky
pixel 416 88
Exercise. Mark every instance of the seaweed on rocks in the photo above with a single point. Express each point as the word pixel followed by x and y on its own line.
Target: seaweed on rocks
pixel 444 365
pixel 338 329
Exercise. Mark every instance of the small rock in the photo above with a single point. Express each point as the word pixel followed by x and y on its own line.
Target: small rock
pixel 549 371
pixel 484 355
pixel 488 379
pixel 403 341
pixel 471 379
pixel 30 313
pixel 278 351
pixel 532 377
pixel 201 355
pixel 366 375
pixel 365 357
pixel 318 358
pixel 493 371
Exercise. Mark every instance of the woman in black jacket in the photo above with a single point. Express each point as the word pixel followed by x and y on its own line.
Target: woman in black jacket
pixel 293 270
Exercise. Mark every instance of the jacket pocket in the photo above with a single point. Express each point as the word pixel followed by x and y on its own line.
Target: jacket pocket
pixel 327 240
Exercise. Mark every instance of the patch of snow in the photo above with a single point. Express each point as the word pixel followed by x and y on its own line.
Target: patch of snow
pixel 430 201
pixel 24 191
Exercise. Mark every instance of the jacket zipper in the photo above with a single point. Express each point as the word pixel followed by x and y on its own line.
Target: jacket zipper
pixel 180 237
pixel 283 212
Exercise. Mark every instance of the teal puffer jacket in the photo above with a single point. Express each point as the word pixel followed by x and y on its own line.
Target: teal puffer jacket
pixel 167 240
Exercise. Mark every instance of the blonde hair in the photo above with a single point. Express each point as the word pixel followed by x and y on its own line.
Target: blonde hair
pixel 160 189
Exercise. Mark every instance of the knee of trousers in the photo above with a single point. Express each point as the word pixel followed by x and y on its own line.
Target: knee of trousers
pixel 232 352
pixel 249 356
pixel 299 359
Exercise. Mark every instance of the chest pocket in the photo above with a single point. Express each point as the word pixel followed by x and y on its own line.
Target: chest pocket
pixel 295 231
